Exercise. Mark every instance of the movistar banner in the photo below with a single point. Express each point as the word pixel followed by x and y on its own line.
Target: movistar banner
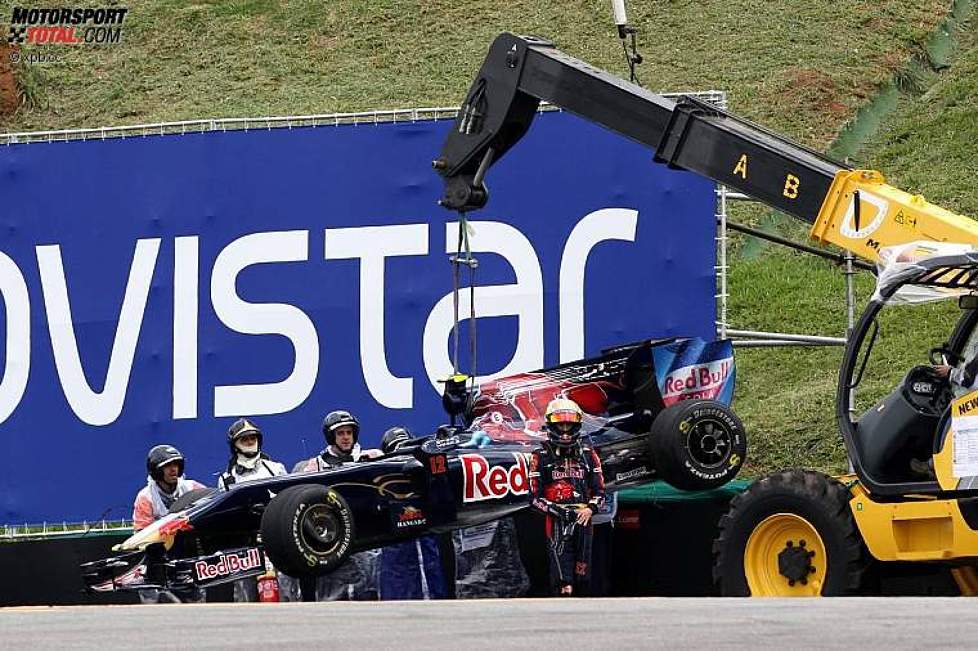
pixel 155 288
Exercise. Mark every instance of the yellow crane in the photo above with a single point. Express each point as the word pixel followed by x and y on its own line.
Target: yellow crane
pixel 797 532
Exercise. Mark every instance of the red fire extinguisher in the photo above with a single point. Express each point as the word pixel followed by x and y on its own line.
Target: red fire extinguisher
pixel 268 585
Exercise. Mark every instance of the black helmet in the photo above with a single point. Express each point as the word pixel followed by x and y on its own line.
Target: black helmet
pixel 393 438
pixel 243 427
pixel 564 421
pixel 159 456
pixel 337 419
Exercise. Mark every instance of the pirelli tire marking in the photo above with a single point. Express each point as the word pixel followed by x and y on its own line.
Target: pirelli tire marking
pixel 706 475
pixel 297 536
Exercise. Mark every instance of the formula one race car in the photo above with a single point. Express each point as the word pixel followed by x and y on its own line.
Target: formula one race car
pixel 655 409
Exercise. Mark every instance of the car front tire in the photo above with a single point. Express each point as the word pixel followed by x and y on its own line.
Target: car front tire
pixel 307 530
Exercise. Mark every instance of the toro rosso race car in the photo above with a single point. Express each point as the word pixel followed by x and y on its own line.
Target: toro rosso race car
pixel 653 410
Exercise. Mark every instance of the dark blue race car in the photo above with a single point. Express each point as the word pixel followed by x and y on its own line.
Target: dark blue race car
pixel 654 410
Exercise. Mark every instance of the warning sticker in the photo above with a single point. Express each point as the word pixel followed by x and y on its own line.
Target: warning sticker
pixel 964 424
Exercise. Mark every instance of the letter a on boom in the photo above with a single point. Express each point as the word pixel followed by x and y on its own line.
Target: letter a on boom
pixel 741 167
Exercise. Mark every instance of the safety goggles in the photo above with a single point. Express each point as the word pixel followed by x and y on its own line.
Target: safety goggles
pixel 564 417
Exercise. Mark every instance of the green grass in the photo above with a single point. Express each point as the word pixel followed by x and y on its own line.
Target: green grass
pixel 787 396
pixel 220 58
pixel 804 68
pixel 931 146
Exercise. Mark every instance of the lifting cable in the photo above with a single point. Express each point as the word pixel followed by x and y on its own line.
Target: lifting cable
pixel 469 261
pixel 464 246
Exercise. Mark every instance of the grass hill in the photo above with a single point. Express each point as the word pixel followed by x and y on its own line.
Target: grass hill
pixel 804 68
pixel 786 396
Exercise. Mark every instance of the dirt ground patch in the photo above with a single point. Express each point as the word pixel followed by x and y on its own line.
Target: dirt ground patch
pixel 9 97
pixel 815 90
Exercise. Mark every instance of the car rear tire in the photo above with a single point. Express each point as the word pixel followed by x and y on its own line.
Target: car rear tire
pixel 790 534
pixel 307 530
pixel 698 444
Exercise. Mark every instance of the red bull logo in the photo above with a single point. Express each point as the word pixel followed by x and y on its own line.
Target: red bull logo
pixel 700 381
pixel 482 481
pixel 228 564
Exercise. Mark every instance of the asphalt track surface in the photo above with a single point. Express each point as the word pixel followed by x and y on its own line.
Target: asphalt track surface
pixel 535 624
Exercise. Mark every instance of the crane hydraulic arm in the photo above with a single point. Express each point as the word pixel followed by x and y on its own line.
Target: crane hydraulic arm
pixel 520 71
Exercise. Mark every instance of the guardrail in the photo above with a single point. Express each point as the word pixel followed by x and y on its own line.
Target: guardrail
pixel 47 530
pixel 274 122
pixel 749 338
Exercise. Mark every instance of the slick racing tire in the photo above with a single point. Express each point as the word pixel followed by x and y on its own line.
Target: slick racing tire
pixel 790 534
pixel 188 499
pixel 698 444
pixel 307 530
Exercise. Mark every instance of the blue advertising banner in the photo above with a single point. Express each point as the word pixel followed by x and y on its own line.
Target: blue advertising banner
pixel 156 288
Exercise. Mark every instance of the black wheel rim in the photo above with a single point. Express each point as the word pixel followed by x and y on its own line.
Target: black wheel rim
pixel 708 442
pixel 321 529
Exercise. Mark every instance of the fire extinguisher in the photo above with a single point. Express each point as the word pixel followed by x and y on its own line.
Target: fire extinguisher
pixel 268 585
